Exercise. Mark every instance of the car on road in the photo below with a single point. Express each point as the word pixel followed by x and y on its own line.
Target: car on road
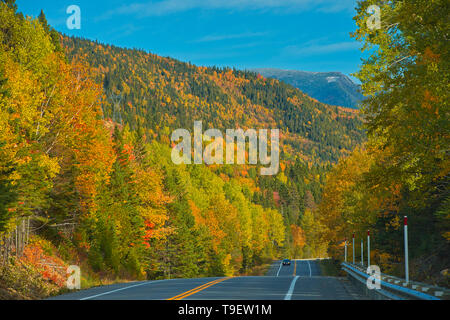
pixel 286 262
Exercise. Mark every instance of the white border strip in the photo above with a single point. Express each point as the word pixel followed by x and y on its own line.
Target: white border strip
pixel 125 288
pixel 281 262
pixel 291 289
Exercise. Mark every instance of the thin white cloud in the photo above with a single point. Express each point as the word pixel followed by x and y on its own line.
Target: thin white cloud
pixel 212 38
pixel 165 7
pixel 316 49
pixel 124 31
pixel 338 6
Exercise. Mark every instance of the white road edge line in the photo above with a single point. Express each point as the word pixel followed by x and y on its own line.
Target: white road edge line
pixel 279 268
pixel 112 291
pixel 310 273
pixel 291 289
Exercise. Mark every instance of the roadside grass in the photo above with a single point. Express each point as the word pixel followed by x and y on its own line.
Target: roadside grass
pixel 331 268
pixel 258 270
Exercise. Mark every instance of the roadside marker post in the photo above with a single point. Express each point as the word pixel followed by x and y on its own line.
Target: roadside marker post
pixel 362 252
pixel 353 247
pixel 345 250
pixel 368 248
pixel 405 222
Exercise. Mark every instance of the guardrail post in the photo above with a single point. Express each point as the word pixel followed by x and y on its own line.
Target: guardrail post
pixel 405 222
pixel 368 248
pixel 353 247
pixel 362 252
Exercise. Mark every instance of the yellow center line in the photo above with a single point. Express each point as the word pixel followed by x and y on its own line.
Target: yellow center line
pixel 198 289
pixel 295 267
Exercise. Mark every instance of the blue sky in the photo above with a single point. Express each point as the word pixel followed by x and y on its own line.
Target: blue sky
pixel 309 35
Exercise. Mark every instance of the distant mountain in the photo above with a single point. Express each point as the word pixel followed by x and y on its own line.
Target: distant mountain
pixel 332 88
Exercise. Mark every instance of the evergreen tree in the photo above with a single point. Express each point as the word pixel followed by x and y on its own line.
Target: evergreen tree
pixel 54 35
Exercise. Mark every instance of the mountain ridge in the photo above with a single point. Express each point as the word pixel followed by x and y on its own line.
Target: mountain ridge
pixel 333 88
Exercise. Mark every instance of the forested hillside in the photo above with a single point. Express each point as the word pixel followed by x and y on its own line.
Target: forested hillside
pixel 161 94
pixel 86 174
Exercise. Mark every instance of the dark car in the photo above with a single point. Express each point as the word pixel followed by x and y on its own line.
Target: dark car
pixel 286 262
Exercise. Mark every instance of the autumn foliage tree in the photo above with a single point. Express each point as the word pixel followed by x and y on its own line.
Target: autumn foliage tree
pixel 404 167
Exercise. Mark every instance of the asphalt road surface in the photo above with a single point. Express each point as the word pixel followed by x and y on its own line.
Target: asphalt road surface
pixel 299 281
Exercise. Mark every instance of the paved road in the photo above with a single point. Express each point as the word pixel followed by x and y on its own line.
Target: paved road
pixel 299 281
pixel 302 268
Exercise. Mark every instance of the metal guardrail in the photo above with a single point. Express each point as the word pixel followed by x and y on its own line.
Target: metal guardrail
pixel 396 288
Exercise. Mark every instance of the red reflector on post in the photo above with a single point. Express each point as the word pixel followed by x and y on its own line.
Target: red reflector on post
pixel 405 221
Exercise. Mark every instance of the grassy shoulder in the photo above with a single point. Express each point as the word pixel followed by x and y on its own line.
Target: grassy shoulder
pixel 20 280
pixel 258 270
pixel 331 268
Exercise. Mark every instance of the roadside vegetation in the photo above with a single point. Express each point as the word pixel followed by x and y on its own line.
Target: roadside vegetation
pixel 86 176
pixel 404 167
pixel 331 268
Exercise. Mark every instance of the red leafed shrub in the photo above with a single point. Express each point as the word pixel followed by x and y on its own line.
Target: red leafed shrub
pixel 51 268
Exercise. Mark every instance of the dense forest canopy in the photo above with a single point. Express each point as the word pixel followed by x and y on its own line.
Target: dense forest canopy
pixel 162 94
